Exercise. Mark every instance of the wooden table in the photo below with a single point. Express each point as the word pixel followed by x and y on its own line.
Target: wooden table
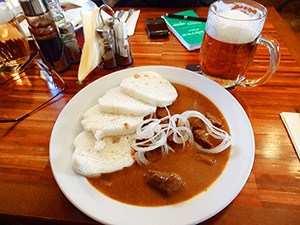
pixel 29 193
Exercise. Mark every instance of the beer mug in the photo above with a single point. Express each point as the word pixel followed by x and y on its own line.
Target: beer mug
pixel 233 31
pixel 14 46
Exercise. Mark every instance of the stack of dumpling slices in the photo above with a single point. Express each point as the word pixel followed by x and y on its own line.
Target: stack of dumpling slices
pixel 104 146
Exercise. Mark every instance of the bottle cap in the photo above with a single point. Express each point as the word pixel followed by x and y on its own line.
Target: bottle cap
pixel 34 7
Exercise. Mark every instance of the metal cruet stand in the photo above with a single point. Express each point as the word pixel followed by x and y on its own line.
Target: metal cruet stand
pixel 113 40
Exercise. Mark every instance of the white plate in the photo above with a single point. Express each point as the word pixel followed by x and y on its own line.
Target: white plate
pixel 103 209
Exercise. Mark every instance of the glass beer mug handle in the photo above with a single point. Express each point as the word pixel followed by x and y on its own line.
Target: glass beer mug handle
pixel 274 52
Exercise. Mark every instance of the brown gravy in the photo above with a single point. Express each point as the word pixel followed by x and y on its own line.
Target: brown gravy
pixel 128 185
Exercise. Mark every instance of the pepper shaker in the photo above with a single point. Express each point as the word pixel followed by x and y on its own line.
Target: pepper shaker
pixel 123 52
pixel 106 38
pixel 56 12
pixel 68 36
pixel 107 46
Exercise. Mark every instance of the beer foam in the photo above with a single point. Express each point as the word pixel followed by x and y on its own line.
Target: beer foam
pixel 236 14
pixel 224 9
pixel 234 32
pixel 235 25
pixel 5 13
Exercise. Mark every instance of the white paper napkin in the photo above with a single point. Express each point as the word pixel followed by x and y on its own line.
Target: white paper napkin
pixel 131 22
pixel 90 56
pixel 74 16
pixel 292 124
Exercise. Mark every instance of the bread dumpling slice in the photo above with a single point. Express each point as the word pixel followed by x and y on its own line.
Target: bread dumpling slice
pixel 116 102
pixel 106 124
pixel 149 87
pixel 93 157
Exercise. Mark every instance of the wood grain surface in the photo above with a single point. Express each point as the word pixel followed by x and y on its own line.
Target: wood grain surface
pixel 30 195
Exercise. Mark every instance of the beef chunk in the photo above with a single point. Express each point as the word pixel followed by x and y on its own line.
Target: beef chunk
pixel 216 121
pixel 206 158
pixel 162 112
pixel 203 138
pixel 197 124
pixel 167 183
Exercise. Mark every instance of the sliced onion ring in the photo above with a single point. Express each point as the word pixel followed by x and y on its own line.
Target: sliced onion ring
pixel 153 134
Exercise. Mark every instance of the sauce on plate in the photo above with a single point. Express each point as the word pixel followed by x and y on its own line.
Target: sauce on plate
pixel 129 186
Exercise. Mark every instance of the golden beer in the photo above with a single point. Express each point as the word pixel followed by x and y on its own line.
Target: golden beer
pixel 14 47
pixel 225 62
pixel 233 31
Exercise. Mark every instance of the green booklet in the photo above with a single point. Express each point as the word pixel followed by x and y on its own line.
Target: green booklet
pixel 190 33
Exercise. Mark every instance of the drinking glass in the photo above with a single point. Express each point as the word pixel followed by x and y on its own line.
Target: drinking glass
pixel 232 33
pixel 14 46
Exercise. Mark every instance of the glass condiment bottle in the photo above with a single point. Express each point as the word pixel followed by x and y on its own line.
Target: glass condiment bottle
pixel 123 52
pixel 45 33
pixel 123 55
pixel 56 12
pixel 107 46
pixel 68 36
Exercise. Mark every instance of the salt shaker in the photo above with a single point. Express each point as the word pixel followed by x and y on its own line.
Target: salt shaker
pixel 106 38
pixel 68 36
pixel 123 52
pixel 107 46
pixel 45 33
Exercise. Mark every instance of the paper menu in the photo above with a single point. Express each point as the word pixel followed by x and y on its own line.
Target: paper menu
pixel 292 124
pixel 189 33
